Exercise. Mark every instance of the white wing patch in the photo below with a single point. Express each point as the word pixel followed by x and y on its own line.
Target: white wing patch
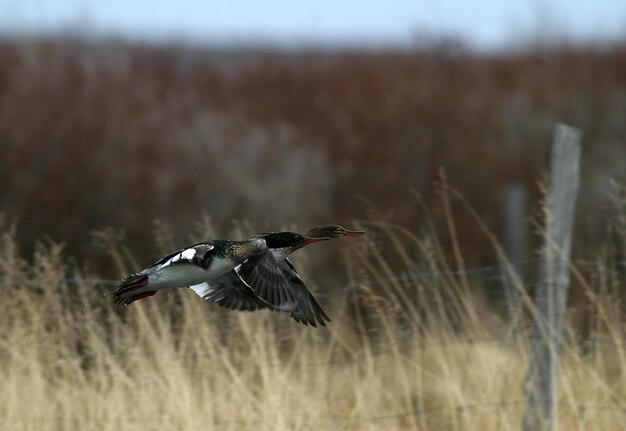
pixel 202 289
pixel 187 254
pixel 208 292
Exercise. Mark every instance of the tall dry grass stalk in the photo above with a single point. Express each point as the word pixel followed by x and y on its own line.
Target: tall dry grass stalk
pixel 403 352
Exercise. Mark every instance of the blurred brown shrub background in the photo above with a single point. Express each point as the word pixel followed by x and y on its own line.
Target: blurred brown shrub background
pixel 108 133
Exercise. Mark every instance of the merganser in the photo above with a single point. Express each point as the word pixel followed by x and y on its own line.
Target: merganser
pixel 251 260
pixel 230 291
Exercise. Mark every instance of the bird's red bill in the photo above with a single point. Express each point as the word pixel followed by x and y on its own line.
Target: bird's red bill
pixel 312 240
pixel 353 233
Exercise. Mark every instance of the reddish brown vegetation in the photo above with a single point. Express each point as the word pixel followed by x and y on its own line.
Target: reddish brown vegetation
pixel 97 134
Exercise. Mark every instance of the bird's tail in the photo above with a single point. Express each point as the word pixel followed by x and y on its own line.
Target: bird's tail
pixel 132 289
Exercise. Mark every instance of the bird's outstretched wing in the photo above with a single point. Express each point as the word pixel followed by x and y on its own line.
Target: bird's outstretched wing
pixel 308 310
pixel 261 282
pixel 262 273
pixel 229 291
pixel 280 286
pixel 234 289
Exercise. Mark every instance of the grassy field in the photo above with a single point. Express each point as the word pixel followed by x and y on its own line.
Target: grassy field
pixel 435 353
pixel 123 133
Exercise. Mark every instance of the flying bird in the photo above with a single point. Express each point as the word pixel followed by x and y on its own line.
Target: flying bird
pixel 239 275
pixel 230 291
pixel 208 260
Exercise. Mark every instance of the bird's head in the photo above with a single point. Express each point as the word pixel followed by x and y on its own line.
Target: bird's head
pixel 289 240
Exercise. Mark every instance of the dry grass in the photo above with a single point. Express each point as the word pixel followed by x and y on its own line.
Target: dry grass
pixel 430 354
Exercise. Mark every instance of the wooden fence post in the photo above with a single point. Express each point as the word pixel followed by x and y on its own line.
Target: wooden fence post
pixel 514 212
pixel 540 386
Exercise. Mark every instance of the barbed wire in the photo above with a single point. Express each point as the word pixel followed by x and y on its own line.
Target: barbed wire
pixel 423 345
pixel 352 286
pixel 400 278
pixel 408 277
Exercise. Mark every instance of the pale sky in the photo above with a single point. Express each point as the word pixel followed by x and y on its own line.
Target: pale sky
pixel 481 23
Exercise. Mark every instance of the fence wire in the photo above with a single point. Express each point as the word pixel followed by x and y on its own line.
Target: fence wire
pixel 352 286
pixel 509 339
